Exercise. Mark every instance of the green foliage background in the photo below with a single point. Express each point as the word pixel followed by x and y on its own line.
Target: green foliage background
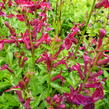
pixel 73 11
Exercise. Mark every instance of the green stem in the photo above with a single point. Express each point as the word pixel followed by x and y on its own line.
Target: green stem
pixel 94 1
pixel 30 36
pixel 81 38
pixel 49 80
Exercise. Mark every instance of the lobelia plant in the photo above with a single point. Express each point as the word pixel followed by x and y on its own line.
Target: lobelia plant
pixel 54 73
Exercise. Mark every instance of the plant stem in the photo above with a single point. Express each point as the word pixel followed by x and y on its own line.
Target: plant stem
pixel 81 38
pixel 91 11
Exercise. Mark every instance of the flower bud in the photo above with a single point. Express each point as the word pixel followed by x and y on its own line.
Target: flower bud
pixel 102 33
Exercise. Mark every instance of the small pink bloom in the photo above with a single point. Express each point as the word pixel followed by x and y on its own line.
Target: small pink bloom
pixel 47 59
pixel 45 5
pixel 11 29
pixel 26 39
pixel 78 68
pixel 78 99
pixel 10 3
pixel 9 41
pixel 2 13
pixel 56 102
pixel 102 62
pixel 23 61
pixel 98 94
pixel 102 33
pixel 48 29
pixel 93 85
pixel 67 43
pixel 70 54
pixel 45 38
pixel 24 3
pixel 99 5
pixel 19 94
pixel 59 76
pixel 27 103
pixel 1 5
pixel 10 15
pixel 62 61
pixel 105 3
pixel 42 14
pixel 89 106
pixel 1 44
pixel 86 61
pixel 82 48
pixel 20 17
pixel 4 67
pixel 70 38
pixel 59 51
pixel 96 74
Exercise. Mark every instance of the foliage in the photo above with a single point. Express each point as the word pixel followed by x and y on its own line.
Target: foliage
pixel 54 54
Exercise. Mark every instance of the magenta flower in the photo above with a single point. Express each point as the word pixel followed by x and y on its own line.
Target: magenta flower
pixel 59 51
pixel 26 39
pixel 48 29
pixel 82 48
pixel 2 13
pixel 102 62
pixel 98 94
pixel 24 3
pixel 70 55
pixel 67 43
pixel 105 3
pixel 86 61
pixel 9 41
pixel 75 29
pixel 56 102
pixel 20 17
pixel 19 94
pixel 10 15
pixel 1 44
pixel 59 76
pixel 96 74
pixel 23 61
pixel 4 67
pixel 10 3
pixel 62 61
pixel 99 5
pixel 20 88
pixel 27 103
pixel 70 38
pixel 78 99
pixel 42 14
pixel 45 5
pixel 2 5
pixel 93 85
pixel 47 59
pixel 11 29
pixel 102 33
pixel 45 38
pixel 37 24
pixel 78 68
pixel 89 106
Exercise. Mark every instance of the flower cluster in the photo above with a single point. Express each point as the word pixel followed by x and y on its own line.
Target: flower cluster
pixel 38 25
pixel 103 3
pixel 24 99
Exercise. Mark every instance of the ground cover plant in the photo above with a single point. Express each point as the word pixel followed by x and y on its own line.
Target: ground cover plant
pixel 54 54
